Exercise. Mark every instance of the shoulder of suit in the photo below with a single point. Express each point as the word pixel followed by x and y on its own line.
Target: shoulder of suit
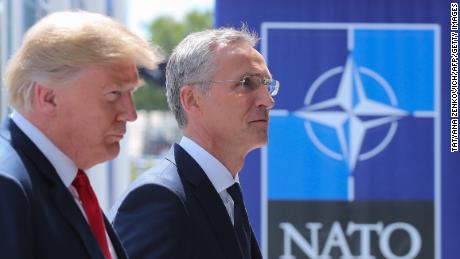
pixel 11 166
pixel 163 174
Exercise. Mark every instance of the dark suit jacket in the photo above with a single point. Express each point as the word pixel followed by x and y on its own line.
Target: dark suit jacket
pixel 173 211
pixel 38 215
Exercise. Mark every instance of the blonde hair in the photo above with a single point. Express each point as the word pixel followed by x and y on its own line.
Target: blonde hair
pixel 63 43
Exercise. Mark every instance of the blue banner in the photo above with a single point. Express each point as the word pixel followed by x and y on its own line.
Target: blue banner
pixel 359 161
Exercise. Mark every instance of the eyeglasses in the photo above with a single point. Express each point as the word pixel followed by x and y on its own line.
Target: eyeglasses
pixel 253 82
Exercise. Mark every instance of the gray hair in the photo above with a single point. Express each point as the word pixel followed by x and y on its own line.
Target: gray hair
pixel 63 43
pixel 193 61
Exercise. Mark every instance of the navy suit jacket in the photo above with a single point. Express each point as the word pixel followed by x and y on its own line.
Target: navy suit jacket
pixel 173 211
pixel 38 215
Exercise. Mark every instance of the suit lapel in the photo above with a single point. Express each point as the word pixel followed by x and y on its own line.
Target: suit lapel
pixel 255 250
pixel 37 164
pixel 209 200
pixel 119 250
pixel 69 209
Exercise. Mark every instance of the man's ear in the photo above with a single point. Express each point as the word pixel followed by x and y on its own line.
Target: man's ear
pixel 190 97
pixel 44 99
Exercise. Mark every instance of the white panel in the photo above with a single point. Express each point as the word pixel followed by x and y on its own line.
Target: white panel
pixel 16 20
pixel 58 5
pixel 12 34
pixel 99 179
pixel 121 174
pixel 97 6
pixel 119 11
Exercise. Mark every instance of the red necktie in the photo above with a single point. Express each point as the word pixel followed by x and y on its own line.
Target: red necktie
pixel 92 210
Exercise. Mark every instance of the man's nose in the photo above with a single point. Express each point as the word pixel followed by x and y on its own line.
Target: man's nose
pixel 265 98
pixel 128 109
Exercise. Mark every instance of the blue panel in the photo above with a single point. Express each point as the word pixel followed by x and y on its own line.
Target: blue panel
pixel 390 175
pixel 294 172
pixel 405 59
pixel 290 56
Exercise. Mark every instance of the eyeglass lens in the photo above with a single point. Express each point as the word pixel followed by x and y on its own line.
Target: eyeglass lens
pixel 253 82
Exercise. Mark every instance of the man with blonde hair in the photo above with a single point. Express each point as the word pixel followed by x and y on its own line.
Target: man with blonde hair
pixel 70 87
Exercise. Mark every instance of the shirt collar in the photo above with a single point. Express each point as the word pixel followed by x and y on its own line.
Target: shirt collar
pixel 64 166
pixel 218 174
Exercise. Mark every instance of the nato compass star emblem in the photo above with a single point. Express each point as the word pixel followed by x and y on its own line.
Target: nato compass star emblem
pixel 345 113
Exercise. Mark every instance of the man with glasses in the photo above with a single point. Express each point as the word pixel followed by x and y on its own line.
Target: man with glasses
pixel 191 205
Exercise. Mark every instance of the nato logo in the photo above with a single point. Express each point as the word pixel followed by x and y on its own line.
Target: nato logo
pixel 357 120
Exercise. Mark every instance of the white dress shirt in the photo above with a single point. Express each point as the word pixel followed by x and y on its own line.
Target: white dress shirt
pixel 64 166
pixel 218 174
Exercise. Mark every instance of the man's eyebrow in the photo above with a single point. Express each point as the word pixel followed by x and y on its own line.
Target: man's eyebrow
pixel 123 77
pixel 263 75
pixel 122 81
pixel 122 86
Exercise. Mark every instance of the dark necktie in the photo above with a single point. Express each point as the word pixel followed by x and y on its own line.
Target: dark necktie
pixel 92 210
pixel 241 221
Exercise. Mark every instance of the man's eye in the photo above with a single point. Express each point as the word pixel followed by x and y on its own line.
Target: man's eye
pixel 113 95
pixel 267 81
pixel 250 83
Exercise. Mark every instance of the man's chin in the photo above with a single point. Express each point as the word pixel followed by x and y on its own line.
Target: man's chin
pixel 113 150
pixel 262 141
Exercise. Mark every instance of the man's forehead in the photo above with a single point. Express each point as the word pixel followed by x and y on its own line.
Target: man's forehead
pixel 236 48
pixel 123 73
pixel 241 58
